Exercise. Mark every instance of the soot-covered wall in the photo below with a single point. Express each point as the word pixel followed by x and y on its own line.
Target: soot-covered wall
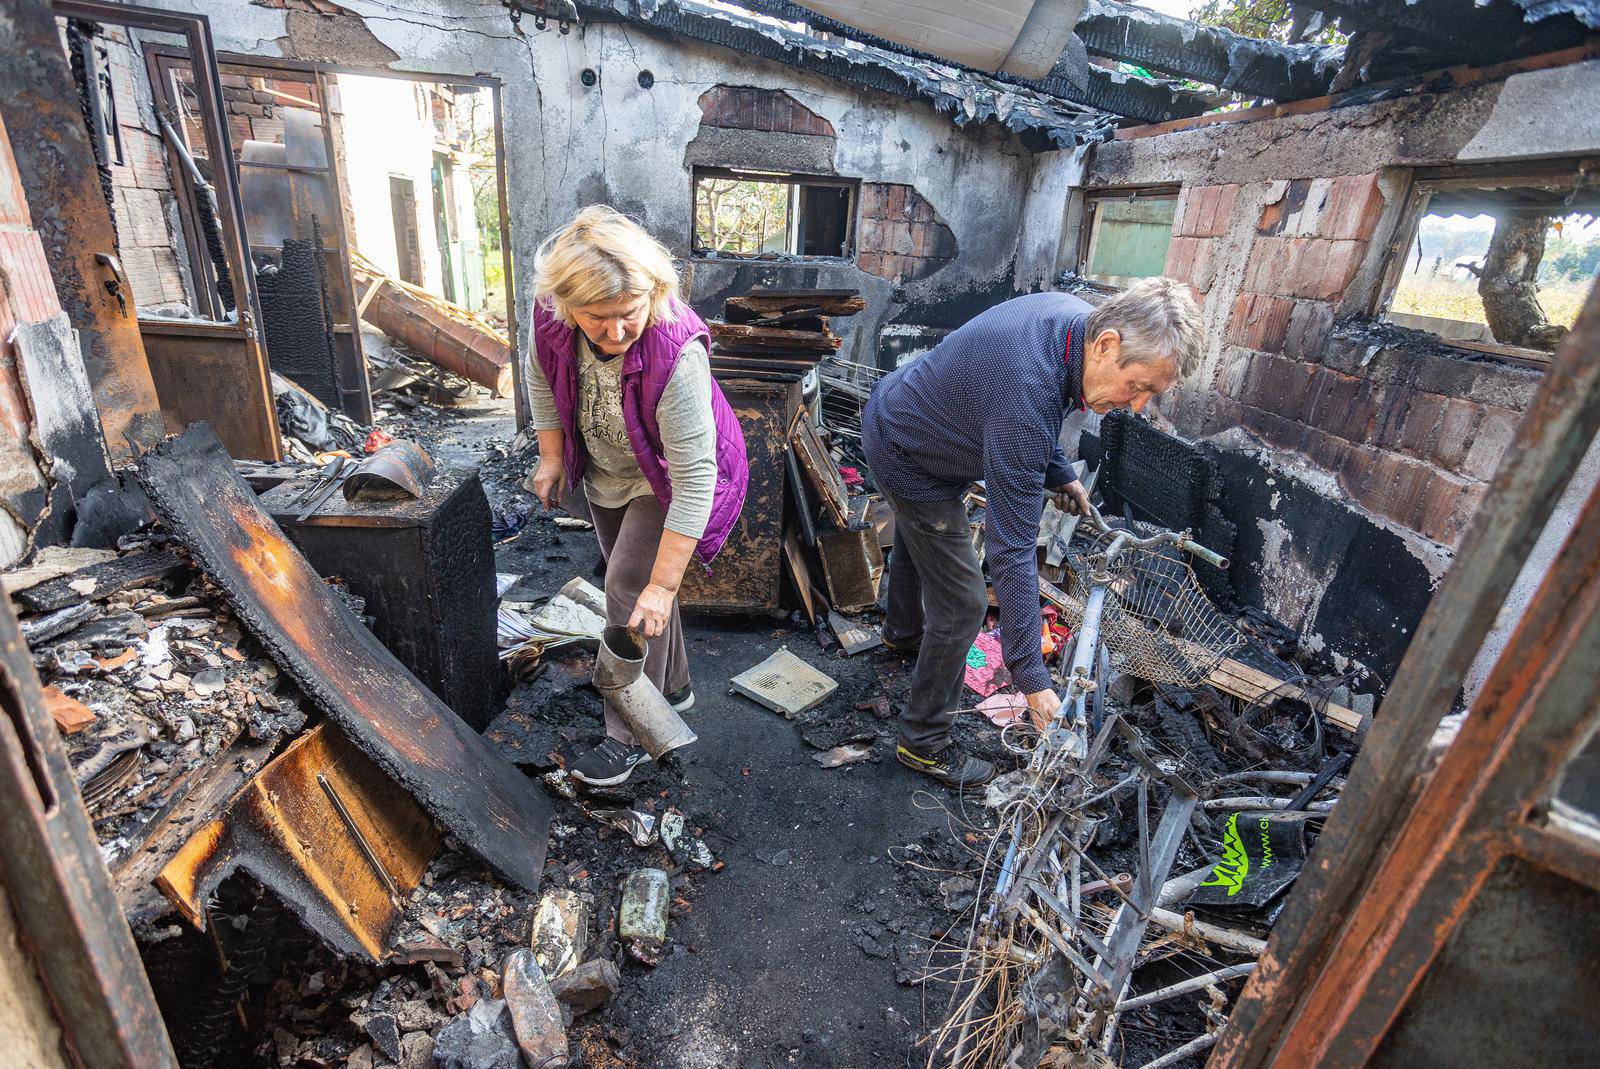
pixel 583 126
pixel 1353 455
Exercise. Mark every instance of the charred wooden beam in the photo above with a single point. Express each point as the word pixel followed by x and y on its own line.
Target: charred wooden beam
pixel 324 829
pixel 1209 54
pixel 776 303
pixel 737 337
pixel 99 581
pixel 413 736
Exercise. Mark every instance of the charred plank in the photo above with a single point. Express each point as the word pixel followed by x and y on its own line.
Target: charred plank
pixel 386 712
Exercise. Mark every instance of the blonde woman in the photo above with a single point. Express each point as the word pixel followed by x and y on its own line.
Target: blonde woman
pixel 623 398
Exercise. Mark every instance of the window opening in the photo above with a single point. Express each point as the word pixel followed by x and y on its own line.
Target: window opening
pixel 1501 266
pixel 743 213
pixel 1127 235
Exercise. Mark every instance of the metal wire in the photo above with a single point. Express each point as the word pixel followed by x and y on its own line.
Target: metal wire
pixel 1158 624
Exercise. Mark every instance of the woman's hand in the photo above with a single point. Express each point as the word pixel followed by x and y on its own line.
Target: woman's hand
pixel 548 479
pixel 651 611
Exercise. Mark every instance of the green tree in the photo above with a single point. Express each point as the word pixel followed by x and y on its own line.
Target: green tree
pixel 1267 19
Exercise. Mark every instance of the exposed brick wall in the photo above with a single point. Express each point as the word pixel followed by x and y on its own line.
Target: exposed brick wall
pixel 142 189
pixel 1410 430
pixel 737 107
pixel 901 237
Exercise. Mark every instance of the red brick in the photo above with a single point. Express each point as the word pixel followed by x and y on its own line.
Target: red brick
pixel 897 238
pixel 873 200
pixel 1339 405
pixel 1344 260
pixel 870 262
pixel 1444 508
pixel 1222 210
pixel 1180 257
pixel 1309 324
pixel 870 238
pixel 1456 425
pixel 1273 428
pixel 1185 208
pixel 1259 321
pixel 1424 413
pixel 1496 429
pixel 895 205
pixel 1309 259
pixel 1355 204
pixel 1392 486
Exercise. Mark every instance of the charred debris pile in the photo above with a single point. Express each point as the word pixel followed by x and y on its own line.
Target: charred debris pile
pixel 333 854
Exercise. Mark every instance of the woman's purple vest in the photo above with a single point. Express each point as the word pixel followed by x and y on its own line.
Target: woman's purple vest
pixel 646 368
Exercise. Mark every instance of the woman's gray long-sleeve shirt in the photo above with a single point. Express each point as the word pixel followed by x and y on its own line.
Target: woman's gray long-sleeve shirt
pixel 688 434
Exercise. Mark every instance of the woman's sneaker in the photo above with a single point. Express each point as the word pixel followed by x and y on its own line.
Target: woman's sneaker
pixel 682 699
pixel 608 764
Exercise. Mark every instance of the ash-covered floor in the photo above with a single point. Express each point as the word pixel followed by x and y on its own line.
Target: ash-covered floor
pixel 805 947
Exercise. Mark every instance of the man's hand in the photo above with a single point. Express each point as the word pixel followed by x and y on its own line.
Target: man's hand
pixel 651 611
pixel 1042 708
pixel 547 481
pixel 1072 499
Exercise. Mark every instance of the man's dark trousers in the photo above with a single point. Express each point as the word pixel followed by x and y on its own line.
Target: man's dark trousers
pixel 937 602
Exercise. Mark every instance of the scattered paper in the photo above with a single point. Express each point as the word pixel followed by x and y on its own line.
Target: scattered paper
pixel 848 754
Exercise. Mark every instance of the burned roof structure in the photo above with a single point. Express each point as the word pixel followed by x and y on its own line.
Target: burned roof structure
pixel 1077 98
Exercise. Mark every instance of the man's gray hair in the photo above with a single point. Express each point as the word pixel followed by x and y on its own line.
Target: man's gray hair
pixel 1157 320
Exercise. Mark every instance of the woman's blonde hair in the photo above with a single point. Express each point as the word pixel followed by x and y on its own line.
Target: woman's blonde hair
pixel 602 255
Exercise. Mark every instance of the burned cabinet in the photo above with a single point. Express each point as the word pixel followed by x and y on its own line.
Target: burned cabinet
pixel 425 569
pixel 746 576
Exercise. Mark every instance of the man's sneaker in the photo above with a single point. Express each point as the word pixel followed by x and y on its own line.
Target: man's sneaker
pixel 682 699
pixel 905 647
pixel 948 765
pixel 608 764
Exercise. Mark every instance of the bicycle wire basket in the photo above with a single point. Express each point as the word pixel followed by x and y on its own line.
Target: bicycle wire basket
pixel 1157 623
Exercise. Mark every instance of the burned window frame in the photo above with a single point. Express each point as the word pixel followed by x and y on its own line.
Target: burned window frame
pixel 1427 181
pixel 795 179
pixel 1087 216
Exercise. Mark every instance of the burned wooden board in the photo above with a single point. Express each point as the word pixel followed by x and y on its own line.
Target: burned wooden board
pixel 821 472
pixel 325 830
pixel 738 337
pixel 776 302
pixel 101 580
pixel 1242 681
pixel 414 737
pixel 852 565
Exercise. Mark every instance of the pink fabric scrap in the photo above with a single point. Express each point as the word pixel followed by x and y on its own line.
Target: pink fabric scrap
pixel 1004 708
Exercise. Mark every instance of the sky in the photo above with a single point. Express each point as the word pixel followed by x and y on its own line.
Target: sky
pixel 1178 9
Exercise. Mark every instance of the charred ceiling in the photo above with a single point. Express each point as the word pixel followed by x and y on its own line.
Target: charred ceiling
pixel 1208 54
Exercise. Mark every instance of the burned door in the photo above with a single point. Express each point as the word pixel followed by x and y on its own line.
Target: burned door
pixel 178 344
pixel 280 141
pixel 58 160
pixel 407 243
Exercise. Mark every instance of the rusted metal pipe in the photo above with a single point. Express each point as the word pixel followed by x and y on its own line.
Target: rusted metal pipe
pixel 444 333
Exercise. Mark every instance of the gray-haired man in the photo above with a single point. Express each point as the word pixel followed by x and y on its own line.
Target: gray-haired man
pixel 986 405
